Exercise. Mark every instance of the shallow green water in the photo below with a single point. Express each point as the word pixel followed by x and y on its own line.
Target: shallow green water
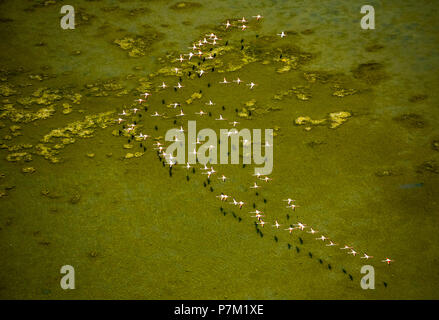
pixel 133 232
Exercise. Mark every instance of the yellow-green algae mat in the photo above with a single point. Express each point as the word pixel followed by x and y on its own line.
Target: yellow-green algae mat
pixel 89 193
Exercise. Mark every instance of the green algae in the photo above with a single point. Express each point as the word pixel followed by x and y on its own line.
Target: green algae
pixel 343 92
pixel 19 157
pixel 138 46
pixel 371 72
pixel 82 128
pixel 7 91
pixel 185 5
pixel 301 92
pixel 334 119
pixel 13 114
